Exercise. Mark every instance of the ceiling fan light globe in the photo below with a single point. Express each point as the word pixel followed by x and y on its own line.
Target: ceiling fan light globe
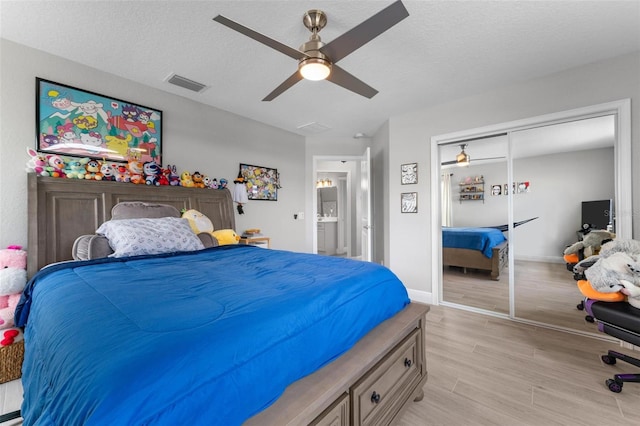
pixel 463 160
pixel 314 69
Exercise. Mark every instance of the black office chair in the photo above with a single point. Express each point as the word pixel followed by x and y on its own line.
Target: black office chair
pixel 620 320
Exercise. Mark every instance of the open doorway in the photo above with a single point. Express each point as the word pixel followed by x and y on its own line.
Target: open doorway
pixel 343 212
pixel 334 208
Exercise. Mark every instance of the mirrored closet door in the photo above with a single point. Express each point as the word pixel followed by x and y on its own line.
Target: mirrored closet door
pixel 530 180
pixel 555 170
pixel 474 198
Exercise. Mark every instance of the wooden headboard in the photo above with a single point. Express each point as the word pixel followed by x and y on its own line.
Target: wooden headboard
pixel 60 210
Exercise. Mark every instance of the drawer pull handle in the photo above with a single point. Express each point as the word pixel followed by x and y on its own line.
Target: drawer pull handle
pixel 375 397
pixel 407 362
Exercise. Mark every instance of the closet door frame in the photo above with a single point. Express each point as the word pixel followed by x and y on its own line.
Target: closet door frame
pixel 621 109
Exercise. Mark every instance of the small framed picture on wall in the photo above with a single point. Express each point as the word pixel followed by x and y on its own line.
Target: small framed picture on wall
pixel 409 173
pixel 409 202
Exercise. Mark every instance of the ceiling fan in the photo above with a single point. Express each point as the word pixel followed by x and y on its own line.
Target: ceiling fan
pixel 317 60
pixel 463 159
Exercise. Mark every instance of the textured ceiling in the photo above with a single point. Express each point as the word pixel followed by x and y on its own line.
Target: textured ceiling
pixel 444 50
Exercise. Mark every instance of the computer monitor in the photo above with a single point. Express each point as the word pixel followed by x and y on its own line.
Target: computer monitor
pixel 598 214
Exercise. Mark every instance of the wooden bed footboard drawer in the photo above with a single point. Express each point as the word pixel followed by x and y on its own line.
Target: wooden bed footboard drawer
pixel 326 397
pixel 336 415
pixel 389 383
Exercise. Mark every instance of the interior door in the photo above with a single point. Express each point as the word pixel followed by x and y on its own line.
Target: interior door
pixel 544 291
pixel 477 196
pixel 365 211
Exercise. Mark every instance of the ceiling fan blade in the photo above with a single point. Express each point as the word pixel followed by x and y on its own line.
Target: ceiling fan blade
pixel 446 163
pixel 488 158
pixel 274 44
pixel 293 79
pixel 349 82
pixel 361 34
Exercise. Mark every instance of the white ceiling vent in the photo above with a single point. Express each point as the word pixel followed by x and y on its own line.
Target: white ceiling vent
pixel 186 83
pixel 314 127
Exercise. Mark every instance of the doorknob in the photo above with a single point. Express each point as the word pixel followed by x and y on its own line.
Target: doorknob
pixel 367 226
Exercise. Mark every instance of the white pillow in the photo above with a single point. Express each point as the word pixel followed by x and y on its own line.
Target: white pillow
pixel 132 237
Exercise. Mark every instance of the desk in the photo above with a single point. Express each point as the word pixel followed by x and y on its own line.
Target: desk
pixel 256 241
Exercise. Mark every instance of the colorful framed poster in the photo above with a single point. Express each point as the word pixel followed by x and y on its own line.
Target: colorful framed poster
pixel 76 122
pixel 262 182
pixel 409 202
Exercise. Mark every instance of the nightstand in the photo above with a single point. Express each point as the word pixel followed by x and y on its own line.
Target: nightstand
pixel 256 241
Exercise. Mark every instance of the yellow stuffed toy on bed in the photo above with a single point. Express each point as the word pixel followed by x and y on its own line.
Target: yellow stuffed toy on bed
pixel 199 222
pixel 226 236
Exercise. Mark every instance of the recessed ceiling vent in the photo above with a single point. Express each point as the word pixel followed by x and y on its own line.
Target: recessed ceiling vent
pixel 186 83
pixel 314 127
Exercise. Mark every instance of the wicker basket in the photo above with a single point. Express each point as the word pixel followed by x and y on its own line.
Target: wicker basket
pixel 11 358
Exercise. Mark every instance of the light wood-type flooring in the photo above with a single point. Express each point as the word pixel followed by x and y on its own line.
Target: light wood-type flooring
pixel 491 371
pixel 544 292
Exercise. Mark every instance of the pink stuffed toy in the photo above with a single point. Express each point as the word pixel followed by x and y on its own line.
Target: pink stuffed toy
pixel 13 278
pixel 8 309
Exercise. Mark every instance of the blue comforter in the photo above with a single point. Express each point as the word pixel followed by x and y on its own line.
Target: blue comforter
pixel 208 337
pixel 482 239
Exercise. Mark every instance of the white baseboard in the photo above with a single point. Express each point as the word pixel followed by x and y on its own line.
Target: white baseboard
pixel 547 259
pixel 628 345
pixel 420 296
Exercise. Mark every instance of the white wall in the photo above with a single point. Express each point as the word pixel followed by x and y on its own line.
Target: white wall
pixel 196 137
pixel 491 212
pixel 409 139
pixel 557 192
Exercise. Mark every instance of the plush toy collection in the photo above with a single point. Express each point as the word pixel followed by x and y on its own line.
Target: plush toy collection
pixel 615 269
pixel 13 278
pixel 133 171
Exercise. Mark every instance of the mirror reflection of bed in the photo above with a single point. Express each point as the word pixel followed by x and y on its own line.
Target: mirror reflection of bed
pixel 574 163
